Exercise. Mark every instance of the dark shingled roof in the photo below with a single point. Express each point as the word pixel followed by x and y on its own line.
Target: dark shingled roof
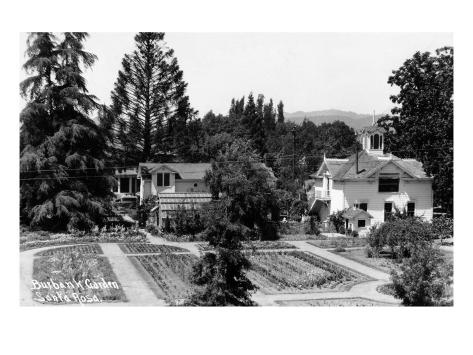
pixel 186 171
pixel 370 163
pixel 353 212
pixel 371 129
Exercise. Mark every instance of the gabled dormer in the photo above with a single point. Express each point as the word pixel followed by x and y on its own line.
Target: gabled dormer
pixel 372 139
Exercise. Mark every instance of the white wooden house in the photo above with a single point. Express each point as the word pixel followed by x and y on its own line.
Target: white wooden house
pixel 370 181
pixel 177 185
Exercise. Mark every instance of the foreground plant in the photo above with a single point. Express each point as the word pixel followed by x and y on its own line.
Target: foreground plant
pixel 423 279
pixel 220 275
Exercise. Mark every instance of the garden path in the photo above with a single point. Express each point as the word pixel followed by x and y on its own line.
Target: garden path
pixel 363 290
pixel 136 289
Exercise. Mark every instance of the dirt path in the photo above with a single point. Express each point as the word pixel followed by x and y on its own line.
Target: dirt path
pixel 137 290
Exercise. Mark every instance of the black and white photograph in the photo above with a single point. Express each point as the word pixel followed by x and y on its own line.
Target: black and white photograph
pixel 219 179
pixel 153 195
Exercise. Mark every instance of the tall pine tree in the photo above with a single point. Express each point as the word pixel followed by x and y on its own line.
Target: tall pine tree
pixel 149 103
pixel 62 181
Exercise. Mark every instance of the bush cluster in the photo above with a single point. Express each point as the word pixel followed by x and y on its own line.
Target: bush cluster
pixel 401 236
pixel 424 279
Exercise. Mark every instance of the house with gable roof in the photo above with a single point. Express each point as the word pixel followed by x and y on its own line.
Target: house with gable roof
pixel 177 186
pixel 369 185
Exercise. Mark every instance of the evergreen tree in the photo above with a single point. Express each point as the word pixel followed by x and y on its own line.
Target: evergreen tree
pixel 257 127
pixel 269 117
pixel 62 182
pixel 149 103
pixel 280 112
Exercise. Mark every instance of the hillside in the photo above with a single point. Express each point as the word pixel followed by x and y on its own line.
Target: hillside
pixel 352 119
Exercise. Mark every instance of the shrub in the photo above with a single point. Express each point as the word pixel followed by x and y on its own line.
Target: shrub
pixel 442 227
pixel 144 209
pixel 339 249
pixel 152 229
pixel 313 226
pixel 338 222
pixel 401 236
pixel 423 279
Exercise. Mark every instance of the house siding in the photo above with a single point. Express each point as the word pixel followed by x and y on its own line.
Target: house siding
pixel 188 186
pixel 345 194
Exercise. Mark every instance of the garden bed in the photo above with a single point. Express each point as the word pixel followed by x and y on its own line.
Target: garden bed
pixel 69 277
pixel 143 248
pixel 39 239
pixel 81 249
pixel 169 273
pixel 255 245
pixel 337 302
pixel 339 242
pixel 297 237
pixel 296 271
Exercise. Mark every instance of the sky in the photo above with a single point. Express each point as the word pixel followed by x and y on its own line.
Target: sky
pixel 307 71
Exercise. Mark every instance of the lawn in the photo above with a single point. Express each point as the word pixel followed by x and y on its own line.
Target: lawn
pixel 169 273
pixel 143 248
pixel 339 242
pixel 337 302
pixel 296 271
pixel 67 276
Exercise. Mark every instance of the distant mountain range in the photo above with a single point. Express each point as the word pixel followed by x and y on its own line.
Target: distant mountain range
pixel 352 119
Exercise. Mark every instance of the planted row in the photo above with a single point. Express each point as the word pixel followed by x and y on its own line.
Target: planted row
pixel 143 248
pixel 81 249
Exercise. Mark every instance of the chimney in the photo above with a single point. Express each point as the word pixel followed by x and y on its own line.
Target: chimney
pixel 357 159
pixel 358 171
pixel 374 115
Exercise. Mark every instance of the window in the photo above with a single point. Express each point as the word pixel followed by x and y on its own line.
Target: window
pixel 411 208
pixel 361 223
pixel 388 208
pixel 138 185
pixel 376 141
pixel 124 185
pixel 166 179
pixel 362 206
pixel 133 185
pixel 389 183
pixel 163 179
pixel 115 186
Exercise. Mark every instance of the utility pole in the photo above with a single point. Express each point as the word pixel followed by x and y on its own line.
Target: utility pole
pixel 294 153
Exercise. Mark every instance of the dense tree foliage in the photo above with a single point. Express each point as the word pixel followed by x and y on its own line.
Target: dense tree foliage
pixel 150 110
pixel 424 279
pixel 246 187
pixel 421 124
pixel 273 139
pixel 220 275
pixel 62 182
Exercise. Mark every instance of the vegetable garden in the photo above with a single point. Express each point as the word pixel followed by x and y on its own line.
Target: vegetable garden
pixel 143 248
pixel 170 273
pixel 81 249
pixel 296 271
pixel 68 276
pixel 255 245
